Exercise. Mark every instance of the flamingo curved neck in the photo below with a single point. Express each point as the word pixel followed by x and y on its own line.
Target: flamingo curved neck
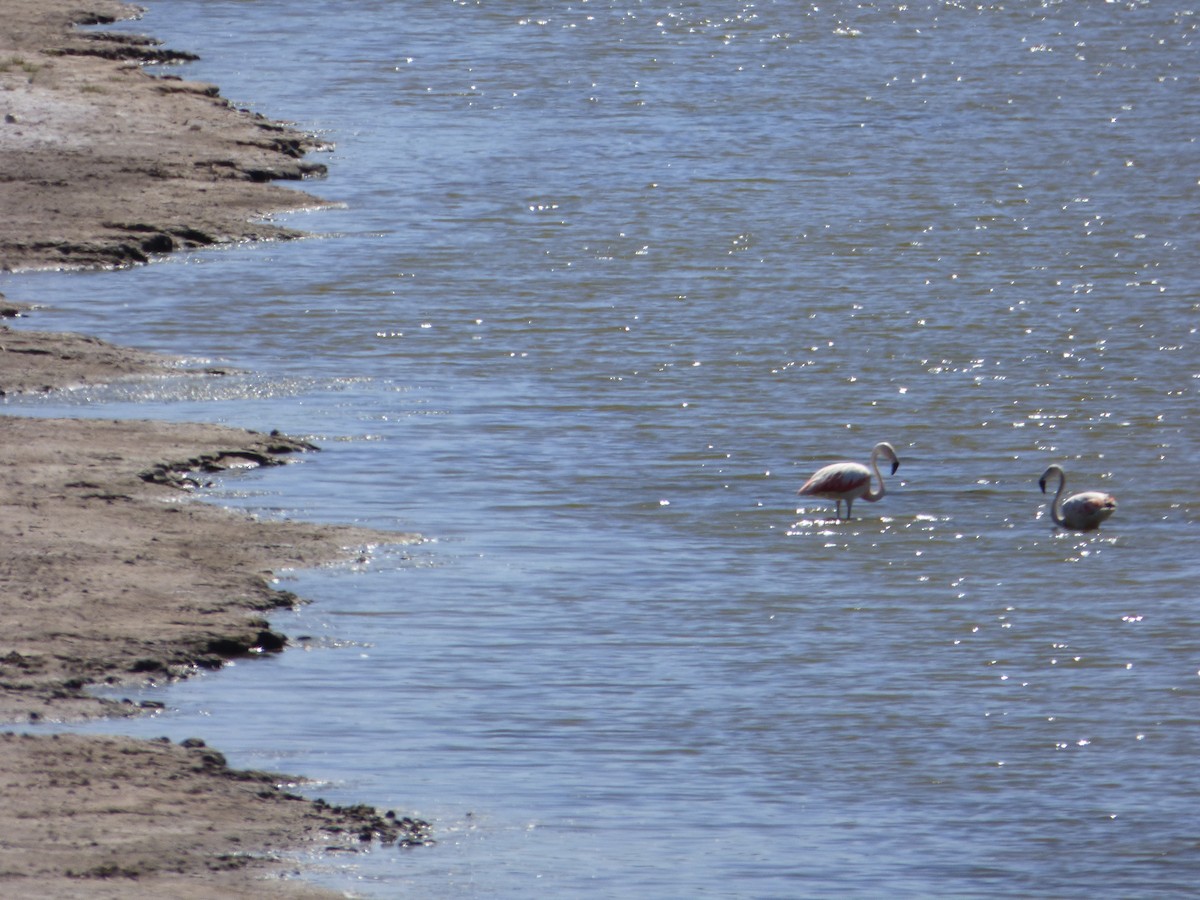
pixel 1056 503
pixel 872 495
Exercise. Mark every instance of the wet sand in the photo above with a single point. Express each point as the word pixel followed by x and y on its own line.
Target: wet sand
pixel 111 574
pixel 108 160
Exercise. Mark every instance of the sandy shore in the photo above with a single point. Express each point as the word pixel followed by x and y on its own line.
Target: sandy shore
pixel 109 574
pixel 106 163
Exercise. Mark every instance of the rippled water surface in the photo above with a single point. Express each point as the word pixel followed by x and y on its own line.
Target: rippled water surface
pixel 610 281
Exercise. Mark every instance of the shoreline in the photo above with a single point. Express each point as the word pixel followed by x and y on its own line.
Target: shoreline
pixel 110 578
pixel 106 165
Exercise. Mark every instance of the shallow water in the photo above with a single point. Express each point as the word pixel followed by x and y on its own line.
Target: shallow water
pixel 610 282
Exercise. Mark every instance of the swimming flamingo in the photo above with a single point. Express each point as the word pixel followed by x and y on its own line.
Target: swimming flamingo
pixel 1079 512
pixel 848 480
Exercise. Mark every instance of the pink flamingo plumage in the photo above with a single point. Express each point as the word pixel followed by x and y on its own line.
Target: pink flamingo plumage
pixel 1079 512
pixel 849 480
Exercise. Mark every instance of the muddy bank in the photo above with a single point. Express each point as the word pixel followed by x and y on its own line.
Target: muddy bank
pixel 109 158
pixel 43 361
pixel 110 576
pixel 113 817
pixel 109 573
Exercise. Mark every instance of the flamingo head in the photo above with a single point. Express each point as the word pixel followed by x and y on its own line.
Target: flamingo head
pixel 883 448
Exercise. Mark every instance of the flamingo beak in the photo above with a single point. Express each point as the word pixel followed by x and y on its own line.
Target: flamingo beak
pixel 895 465
pixel 1042 484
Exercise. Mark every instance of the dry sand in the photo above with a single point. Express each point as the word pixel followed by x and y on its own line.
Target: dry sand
pixel 109 573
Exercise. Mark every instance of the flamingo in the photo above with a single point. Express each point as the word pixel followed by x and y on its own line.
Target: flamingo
pixel 1079 512
pixel 849 480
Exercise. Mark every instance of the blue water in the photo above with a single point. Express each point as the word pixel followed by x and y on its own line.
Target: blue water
pixel 609 282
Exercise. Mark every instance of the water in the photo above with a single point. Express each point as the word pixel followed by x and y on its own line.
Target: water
pixel 610 281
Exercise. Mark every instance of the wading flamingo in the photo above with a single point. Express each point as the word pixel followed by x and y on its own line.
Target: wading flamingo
pixel 1079 512
pixel 848 480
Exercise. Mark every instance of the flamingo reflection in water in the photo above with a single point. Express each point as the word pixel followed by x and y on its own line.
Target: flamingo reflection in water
pixel 849 480
pixel 1079 512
